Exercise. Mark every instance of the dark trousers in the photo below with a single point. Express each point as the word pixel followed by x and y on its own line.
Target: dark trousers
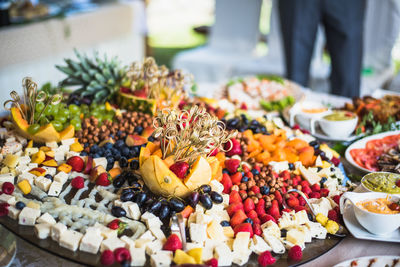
pixel 343 24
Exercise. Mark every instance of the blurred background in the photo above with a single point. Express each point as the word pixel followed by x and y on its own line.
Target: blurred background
pixel 213 39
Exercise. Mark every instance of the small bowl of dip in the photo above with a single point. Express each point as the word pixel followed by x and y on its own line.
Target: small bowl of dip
pixel 384 182
pixel 304 112
pixel 379 213
pixel 336 124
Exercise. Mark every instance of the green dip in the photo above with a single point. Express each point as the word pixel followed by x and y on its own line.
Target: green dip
pixel 382 182
pixel 339 116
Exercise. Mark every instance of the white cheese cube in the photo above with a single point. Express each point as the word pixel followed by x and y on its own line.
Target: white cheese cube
pixel 100 162
pixel 26 176
pixel 161 259
pixel 259 245
pixel 21 169
pixel 61 177
pixel 225 200
pixel 43 183
pixel 153 247
pixel 28 216
pixel 55 189
pixel 42 230
pixel 9 199
pixel 271 228
pixel 105 231
pixel 158 233
pixel 279 166
pixel 129 243
pixel 32 166
pixel 59 156
pixel 138 256
pixel 31 150
pixel 70 239
pixel 46 218
pixel 241 242
pixel 215 231
pixel 24 160
pixel 199 209
pixel 52 144
pixel 322 205
pixel 133 211
pixel 111 244
pixel 295 236
pixel 223 254
pixel 216 186
pixel 191 245
pixel 202 218
pixel 91 242
pixel 142 242
pixel 208 249
pixel 287 220
pixel 198 232
pixel 56 231
pixel 68 141
pixel 50 170
pixel 13 212
pixel 306 231
pixel 6 177
pixel 147 235
pixel 317 230
pixel 63 148
pixel 240 257
pixel 301 217
pixel 71 154
pixel 288 245
pixel 191 219
pixel 153 222
pixel 274 243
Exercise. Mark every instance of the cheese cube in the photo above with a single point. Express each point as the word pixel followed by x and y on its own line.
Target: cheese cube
pixel 63 148
pixel 241 242
pixel 223 254
pixel 33 204
pixel 55 189
pixel 56 231
pixel 191 219
pixel 133 211
pixel 111 244
pixel 153 222
pixel 61 177
pixel 158 233
pixel 199 208
pixel 198 232
pixel 240 257
pixel 71 154
pixel 6 177
pixel 42 230
pixel 215 231
pixel 68 141
pixel 138 256
pixel 100 162
pixel 147 235
pixel 31 150
pixel 24 160
pixel 316 230
pixel 274 243
pixel 271 228
pixel 306 231
pixel 301 217
pixel 146 216
pixel 43 183
pixel 70 239
pixel 32 166
pixel 52 144
pixel 259 245
pixel 322 205
pixel 50 170
pixel 59 156
pixel 9 199
pixel 26 176
pixel 225 200
pixel 21 169
pixel 142 242
pixel 128 241
pixel 28 216
pixel 208 249
pixel 153 247
pixel 287 220
pixel 288 245
pixel 216 186
pixel 295 236
pixel 105 231
pixel 91 242
pixel 160 259
pixel 228 232
pixel 13 212
pixel 202 218
pixel 191 245
pixel 46 218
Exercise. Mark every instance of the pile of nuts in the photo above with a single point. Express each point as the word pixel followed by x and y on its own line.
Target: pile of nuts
pixel 130 122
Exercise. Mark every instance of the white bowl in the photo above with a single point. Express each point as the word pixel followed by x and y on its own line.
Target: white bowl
pixel 297 113
pixel 338 129
pixel 366 189
pixel 375 223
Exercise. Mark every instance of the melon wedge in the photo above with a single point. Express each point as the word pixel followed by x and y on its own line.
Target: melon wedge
pixel 46 133
pixel 199 174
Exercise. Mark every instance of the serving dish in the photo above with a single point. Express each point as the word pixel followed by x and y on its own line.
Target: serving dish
pixel 371 261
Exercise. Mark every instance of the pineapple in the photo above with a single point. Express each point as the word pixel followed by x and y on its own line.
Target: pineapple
pixel 99 79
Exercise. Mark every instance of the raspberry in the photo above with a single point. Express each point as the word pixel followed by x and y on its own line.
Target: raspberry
pixel 4 209
pixel 306 190
pixel 295 253
pixel 107 258
pixel 336 199
pixel 315 195
pixel 122 254
pixel 333 215
pixel 266 259
pixel 293 202
pixel 212 263
pixel 324 192
pixel 335 161
pixel 8 188
pixel 78 182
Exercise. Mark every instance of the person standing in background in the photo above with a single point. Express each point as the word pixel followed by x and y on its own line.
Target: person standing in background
pixel 343 24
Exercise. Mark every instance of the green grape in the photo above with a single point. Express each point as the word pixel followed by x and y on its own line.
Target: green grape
pixel 55 111
pixel 39 107
pixel 84 107
pixel 101 107
pixel 57 125
pixel 36 116
pixel 74 109
pixel 95 113
pixel 64 112
pixel 49 110
pixel 44 121
pixel 93 105
pixel 60 118
pixel 34 128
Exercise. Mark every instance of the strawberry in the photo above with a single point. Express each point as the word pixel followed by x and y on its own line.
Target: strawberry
pixel 104 179
pixel 238 218
pixel 315 188
pixel 122 254
pixel 232 165
pixel 257 229
pixel 212 262
pixel 256 220
pixel 180 169
pixel 234 207
pixel 234 196
pixel 335 161
pixel 255 189
pixel 249 205
pixel 278 197
pixel 295 253
pixel 260 207
pixel 333 215
pixel 78 182
pixel 337 199
pixel 304 183
pixel 286 210
pixel 244 227
pixel 265 259
pixel 173 243
pixel 252 214
pixel 266 217
pixel 324 192
pixel 293 202
pixel 249 175
pixel 299 208
pixel 226 182
pixel 295 182
pixel 76 163
pixel 283 189
pixel 236 178
pixel 274 210
pixel 114 224
pixel 233 148
pixel 243 106
pixel 107 257
pixel 285 175
pixel 306 190
pixel 245 168
pixel 315 195
pixel 295 194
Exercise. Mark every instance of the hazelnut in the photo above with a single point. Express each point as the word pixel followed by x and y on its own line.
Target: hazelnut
pixel 243 186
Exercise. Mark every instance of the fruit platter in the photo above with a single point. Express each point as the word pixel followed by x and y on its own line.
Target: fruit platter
pixel 120 167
